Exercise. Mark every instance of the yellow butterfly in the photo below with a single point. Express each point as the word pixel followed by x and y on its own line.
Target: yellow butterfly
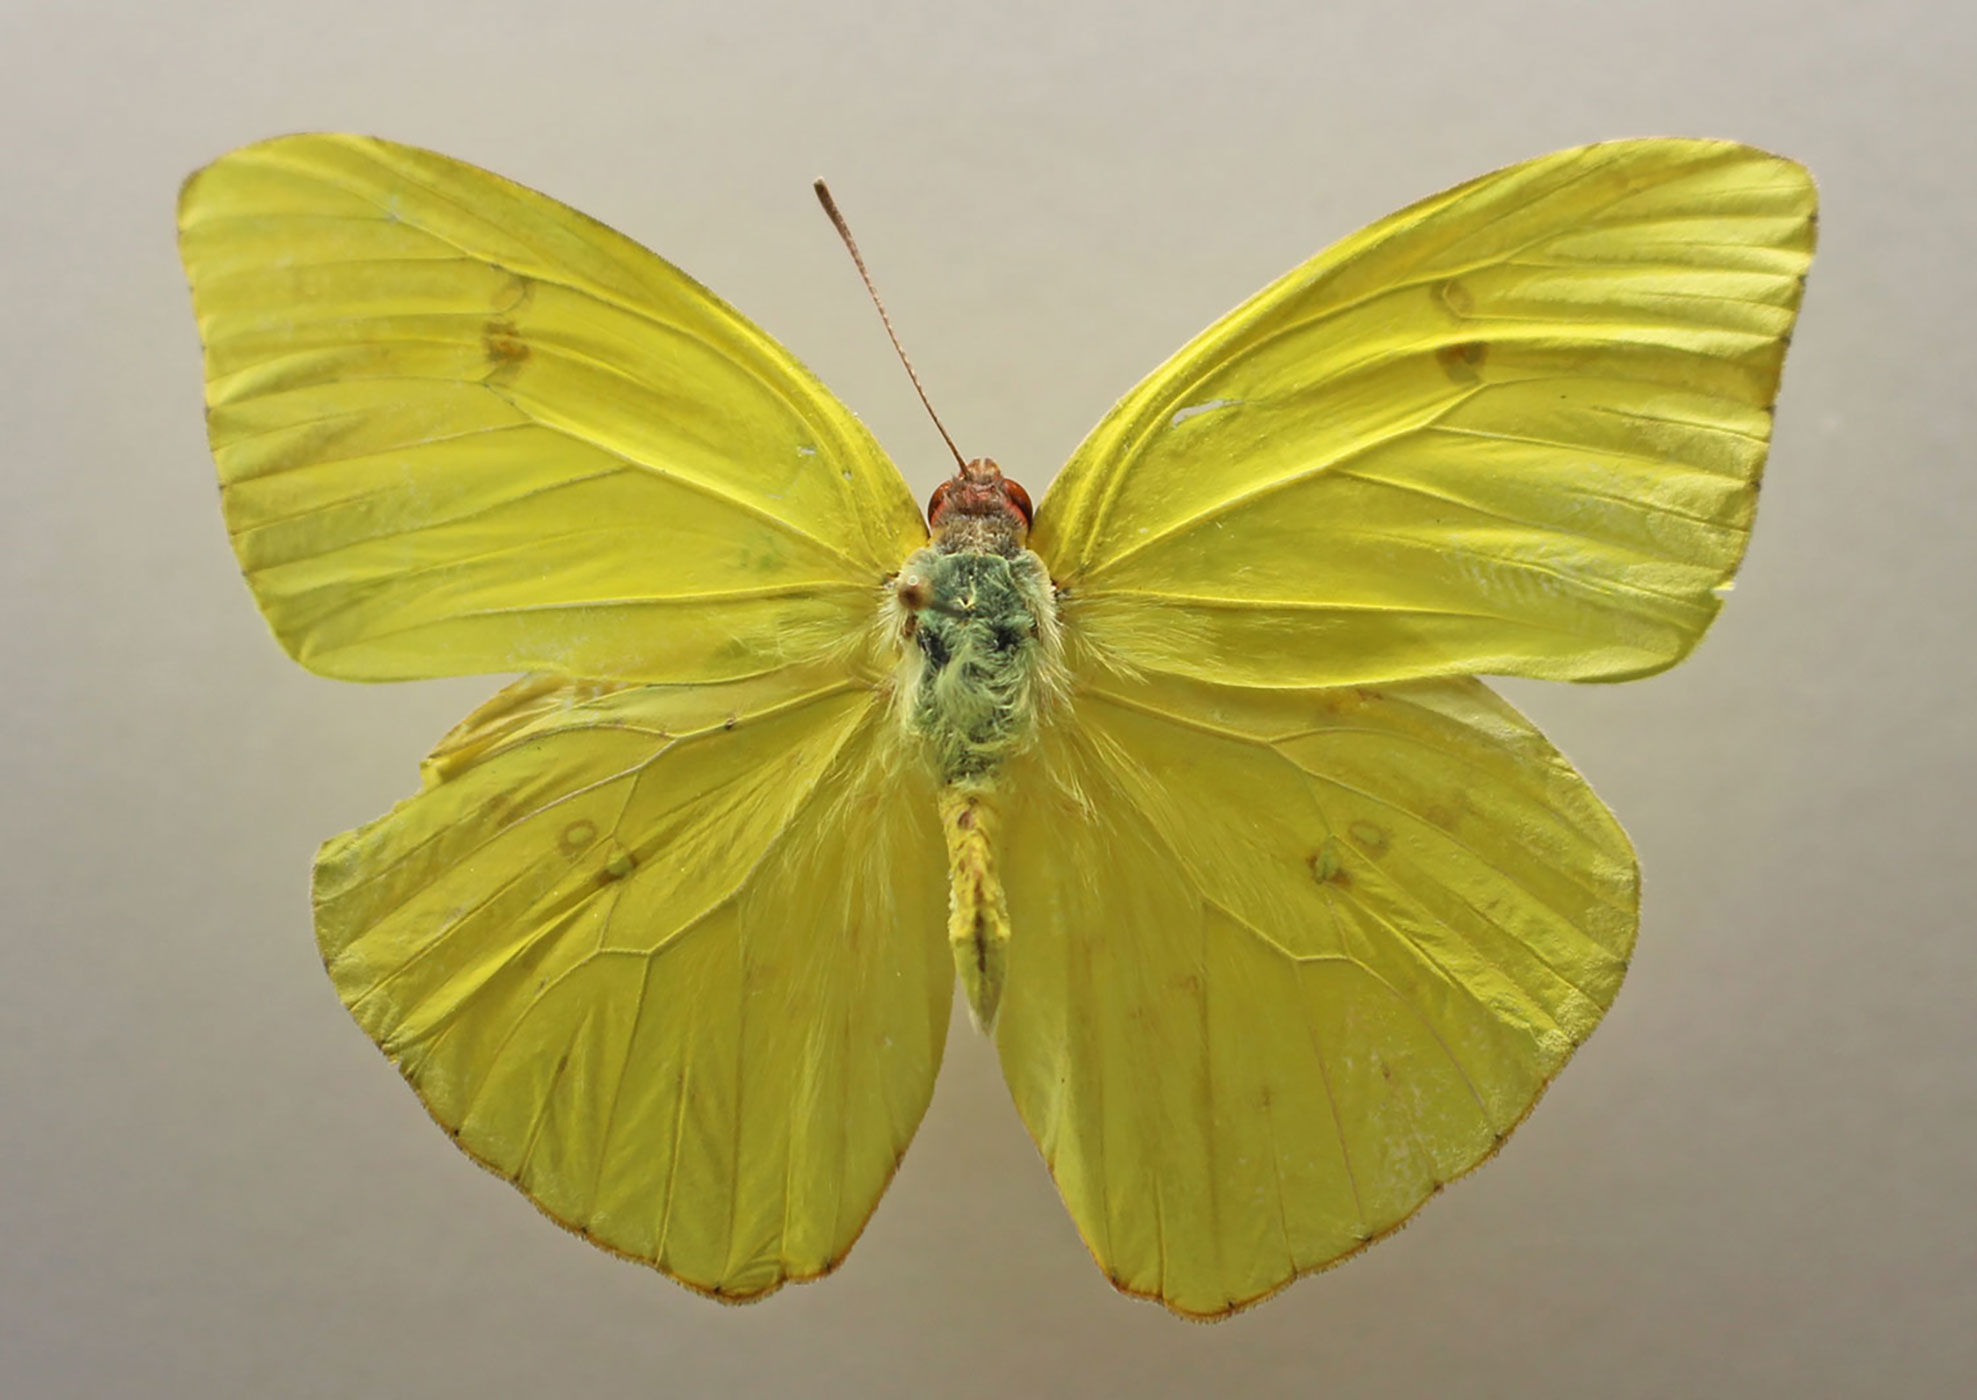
pixel 1280 919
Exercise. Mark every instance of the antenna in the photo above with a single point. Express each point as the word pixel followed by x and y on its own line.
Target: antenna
pixel 851 247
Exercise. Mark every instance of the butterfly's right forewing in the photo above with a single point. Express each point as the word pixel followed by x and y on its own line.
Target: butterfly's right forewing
pixel 1515 429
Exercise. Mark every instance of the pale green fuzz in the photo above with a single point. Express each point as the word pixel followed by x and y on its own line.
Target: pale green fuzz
pixel 978 651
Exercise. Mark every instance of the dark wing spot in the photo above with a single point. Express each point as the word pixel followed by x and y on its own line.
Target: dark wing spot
pixel 577 835
pixel 1463 363
pixel 505 348
pixel 934 649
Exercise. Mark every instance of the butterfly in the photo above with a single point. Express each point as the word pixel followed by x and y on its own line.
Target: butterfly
pixel 1279 918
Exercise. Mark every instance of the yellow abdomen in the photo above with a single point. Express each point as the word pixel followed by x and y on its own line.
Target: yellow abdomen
pixel 977 915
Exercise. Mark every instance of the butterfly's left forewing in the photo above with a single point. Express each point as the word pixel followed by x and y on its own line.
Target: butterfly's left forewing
pixel 463 428
pixel 669 959
pixel 1287 961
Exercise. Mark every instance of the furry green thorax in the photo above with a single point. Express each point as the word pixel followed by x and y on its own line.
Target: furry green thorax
pixel 980 632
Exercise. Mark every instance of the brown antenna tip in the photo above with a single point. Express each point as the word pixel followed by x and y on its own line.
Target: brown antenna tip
pixel 858 261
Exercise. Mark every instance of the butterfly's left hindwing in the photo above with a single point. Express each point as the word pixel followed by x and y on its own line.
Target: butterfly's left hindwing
pixel 670 960
pixel 1286 961
pixel 463 428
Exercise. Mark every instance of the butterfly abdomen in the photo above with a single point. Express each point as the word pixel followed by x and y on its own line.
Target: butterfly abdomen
pixel 977 913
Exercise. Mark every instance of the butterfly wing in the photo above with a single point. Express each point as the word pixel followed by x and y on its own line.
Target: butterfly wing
pixel 462 428
pixel 1514 429
pixel 670 960
pixel 1287 961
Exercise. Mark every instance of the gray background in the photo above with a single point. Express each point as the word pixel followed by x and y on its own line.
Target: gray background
pixel 1755 1180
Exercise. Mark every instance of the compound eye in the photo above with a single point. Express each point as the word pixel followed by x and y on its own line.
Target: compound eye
pixel 937 502
pixel 1020 499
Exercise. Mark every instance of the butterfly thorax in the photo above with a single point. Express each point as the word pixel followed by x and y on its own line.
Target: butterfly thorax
pixel 977 629
pixel 977 620
pixel 972 656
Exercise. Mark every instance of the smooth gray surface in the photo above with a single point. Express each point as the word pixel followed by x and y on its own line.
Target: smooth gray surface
pixel 1756 1179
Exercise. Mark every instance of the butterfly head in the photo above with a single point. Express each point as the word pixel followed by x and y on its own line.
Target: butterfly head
pixel 977 495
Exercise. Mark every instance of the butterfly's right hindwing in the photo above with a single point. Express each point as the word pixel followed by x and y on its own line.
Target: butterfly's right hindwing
pixel 1287 961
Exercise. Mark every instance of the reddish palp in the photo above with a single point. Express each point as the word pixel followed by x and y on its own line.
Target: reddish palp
pixel 980 489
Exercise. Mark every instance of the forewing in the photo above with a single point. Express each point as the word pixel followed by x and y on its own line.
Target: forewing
pixel 463 428
pixel 1286 962
pixel 1514 429
pixel 671 961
